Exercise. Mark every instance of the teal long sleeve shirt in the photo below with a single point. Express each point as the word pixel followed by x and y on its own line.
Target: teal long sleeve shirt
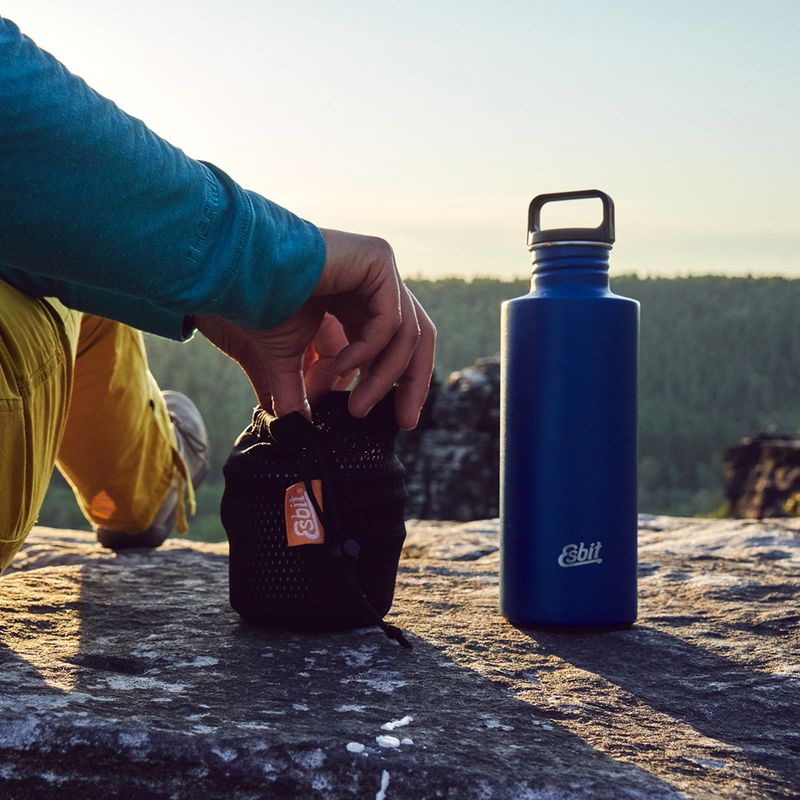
pixel 98 211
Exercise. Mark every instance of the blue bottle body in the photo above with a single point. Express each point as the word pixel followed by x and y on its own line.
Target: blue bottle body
pixel 568 445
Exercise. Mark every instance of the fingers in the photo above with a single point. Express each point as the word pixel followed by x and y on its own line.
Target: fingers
pixel 413 386
pixel 380 316
pixel 319 367
pixel 322 378
pixel 281 351
pixel 382 332
pixel 384 371
pixel 346 381
pixel 288 388
pixel 330 339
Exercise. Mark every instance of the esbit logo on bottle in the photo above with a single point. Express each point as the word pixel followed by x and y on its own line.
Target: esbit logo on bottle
pixel 578 555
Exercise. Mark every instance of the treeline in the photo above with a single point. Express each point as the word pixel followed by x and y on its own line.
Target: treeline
pixel 720 358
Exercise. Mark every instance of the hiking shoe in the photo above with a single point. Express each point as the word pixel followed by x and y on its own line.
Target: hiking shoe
pixel 192 437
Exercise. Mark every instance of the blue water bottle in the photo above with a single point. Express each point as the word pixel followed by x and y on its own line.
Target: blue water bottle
pixel 568 434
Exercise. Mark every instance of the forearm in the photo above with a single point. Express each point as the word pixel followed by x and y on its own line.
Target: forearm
pixel 91 196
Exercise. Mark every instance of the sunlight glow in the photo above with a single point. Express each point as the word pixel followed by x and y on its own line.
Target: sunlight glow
pixel 434 124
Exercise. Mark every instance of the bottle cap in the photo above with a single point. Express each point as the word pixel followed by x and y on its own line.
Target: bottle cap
pixel 603 233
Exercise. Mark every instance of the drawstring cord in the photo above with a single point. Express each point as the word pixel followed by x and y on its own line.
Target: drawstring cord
pixel 392 631
pixel 349 548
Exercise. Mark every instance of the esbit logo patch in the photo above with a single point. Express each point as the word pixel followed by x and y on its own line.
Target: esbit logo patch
pixel 302 523
pixel 578 555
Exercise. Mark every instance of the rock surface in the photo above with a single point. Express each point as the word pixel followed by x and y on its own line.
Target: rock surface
pixel 762 476
pixel 129 676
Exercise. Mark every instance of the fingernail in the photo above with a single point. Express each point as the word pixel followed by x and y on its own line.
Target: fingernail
pixel 355 412
pixel 305 410
pixel 411 427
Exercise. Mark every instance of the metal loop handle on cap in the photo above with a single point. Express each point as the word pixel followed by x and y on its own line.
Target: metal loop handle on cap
pixel 602 233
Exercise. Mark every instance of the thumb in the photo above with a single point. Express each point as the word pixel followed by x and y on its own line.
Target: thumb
pixel 288 388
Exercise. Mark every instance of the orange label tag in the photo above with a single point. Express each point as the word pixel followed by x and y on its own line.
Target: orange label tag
pixel 302 523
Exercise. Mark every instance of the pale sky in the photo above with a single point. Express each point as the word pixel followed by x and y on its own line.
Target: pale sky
pixel 434 123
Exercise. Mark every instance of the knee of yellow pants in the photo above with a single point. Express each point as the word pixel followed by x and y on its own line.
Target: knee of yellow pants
pixel 119 451
pixel 76 389
pixel 37 347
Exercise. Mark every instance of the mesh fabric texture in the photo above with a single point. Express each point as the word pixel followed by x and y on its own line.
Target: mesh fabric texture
pixel 316 586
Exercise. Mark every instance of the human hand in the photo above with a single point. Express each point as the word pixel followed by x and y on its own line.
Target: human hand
pixel 391 338
pixel 385 334
pixel 246 347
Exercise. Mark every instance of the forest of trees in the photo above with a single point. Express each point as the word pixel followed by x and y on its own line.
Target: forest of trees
pixel 720 359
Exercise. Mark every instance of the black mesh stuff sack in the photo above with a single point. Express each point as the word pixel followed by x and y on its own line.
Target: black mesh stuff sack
pixel 314 516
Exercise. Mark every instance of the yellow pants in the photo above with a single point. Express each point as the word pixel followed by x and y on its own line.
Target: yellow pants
pixel 75 391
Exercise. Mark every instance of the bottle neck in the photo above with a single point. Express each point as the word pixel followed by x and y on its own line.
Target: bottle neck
pixel 572 267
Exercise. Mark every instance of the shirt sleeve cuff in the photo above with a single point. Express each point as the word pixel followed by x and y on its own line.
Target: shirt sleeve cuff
pixel 132 311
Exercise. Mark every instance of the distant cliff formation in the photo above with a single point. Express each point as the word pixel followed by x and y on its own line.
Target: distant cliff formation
pixel 762 476
pixel 452 458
